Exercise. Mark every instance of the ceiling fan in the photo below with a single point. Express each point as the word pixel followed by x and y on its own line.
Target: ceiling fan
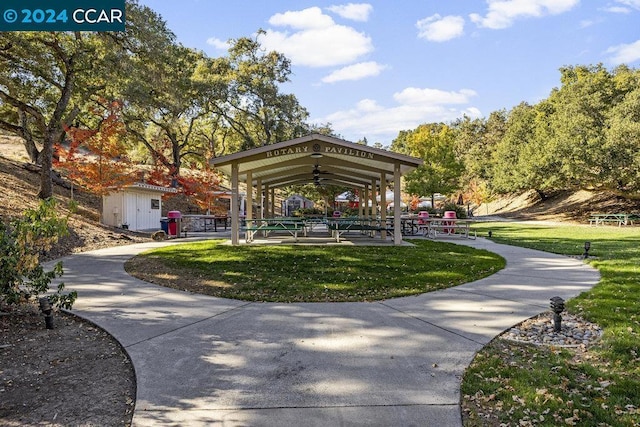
pixel 317 178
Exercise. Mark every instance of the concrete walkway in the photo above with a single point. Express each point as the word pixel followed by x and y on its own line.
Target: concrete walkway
pixel 203 361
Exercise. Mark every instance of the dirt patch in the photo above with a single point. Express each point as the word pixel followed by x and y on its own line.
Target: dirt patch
pixel 75 374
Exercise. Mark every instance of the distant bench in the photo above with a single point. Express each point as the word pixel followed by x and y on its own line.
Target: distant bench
pixel 619 219
pixel 596 221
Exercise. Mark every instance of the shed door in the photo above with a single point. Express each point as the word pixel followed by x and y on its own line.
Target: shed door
pixel 130 214
pixel 148 211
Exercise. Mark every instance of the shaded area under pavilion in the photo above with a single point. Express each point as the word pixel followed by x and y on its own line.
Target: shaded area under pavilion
pixel 336 162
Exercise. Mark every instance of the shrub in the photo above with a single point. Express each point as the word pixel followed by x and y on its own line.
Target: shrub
pixel 22 242
pixel 308 212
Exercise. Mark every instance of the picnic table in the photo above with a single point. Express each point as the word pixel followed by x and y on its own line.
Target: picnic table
pixel 409 225
pixel 433 227
pixel 618 219
pixel 311 222
pixel 365 225
pixel 290 225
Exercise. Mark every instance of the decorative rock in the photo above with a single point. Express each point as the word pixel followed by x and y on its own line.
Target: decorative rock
pixel 538 330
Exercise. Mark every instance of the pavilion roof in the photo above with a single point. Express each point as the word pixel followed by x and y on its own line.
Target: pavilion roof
pixel 339 162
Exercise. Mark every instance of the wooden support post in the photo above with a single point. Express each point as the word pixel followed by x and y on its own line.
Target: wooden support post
pixel 383 204
pixel 235 214
pixel 397 235
pixel 249 195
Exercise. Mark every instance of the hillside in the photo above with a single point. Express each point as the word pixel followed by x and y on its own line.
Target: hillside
pixel 20 189
pixel 562 206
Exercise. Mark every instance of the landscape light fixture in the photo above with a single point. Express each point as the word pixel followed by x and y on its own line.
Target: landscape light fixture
pixel 47 310
pixel 557 306
pixel 587 246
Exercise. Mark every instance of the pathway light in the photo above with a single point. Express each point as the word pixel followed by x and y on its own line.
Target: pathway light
pixel 587 246
pixel 47 310
pixel 557 305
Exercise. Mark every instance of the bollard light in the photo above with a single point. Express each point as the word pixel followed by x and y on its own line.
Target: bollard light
pixel 490 233
pixel 47 310
pixel 587 246
pixel 557 306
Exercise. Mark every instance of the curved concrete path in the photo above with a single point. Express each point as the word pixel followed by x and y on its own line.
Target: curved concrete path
pixel 203 361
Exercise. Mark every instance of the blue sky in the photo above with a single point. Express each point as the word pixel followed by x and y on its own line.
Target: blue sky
pixel 375 68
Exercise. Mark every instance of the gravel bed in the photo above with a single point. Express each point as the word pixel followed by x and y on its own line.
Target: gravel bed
pixel 539 330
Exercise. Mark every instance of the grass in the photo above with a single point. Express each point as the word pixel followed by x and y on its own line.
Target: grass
pixel 287 273
pixel 517 384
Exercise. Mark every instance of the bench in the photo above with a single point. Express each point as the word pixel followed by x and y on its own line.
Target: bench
pixel 292 229
pixel 602 221
pixel 453 229
pixel 339 228
pixel 309 223
pixel 619 219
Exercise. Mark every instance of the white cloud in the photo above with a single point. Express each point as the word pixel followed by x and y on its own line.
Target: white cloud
pixel 217 43
pixel 617 9
pixel 354 11
pixel 430 97
pixel 438 29
pixel 302 19
pixel 317 40
pixel 502 13
pixel 355 72
pixel 631 3
pixel 625 53
pixel 414 107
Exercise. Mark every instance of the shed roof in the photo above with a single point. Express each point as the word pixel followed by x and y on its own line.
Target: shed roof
pixel 150 187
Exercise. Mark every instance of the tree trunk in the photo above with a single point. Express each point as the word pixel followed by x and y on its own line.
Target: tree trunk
pixel 46 157
pixel 27 137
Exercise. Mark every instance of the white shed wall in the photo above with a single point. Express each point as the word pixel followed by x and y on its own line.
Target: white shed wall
pixel 112 209
pixel 133 207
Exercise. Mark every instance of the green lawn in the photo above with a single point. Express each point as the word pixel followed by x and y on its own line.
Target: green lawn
pixel 528 385
pixel 288 273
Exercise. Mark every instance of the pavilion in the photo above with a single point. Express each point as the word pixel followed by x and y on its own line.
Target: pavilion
pixel 318 159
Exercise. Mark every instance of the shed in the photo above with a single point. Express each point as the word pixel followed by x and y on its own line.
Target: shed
pixel 295 202
pixel 136 207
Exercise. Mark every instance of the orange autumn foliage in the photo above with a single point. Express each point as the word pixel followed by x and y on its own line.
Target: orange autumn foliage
pixel 95 159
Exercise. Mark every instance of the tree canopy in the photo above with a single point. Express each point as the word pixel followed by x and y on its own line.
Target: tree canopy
pixel 584 135
pixel 176 103
pixel 49 79
pixel 178 106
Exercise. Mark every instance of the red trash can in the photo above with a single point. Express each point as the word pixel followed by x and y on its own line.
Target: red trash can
pixel 449 214
pixel 174 221
pixel 422 215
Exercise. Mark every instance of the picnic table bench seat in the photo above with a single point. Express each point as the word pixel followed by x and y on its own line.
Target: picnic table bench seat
pixel 448 227
pixel 338 228
pixel 291 228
